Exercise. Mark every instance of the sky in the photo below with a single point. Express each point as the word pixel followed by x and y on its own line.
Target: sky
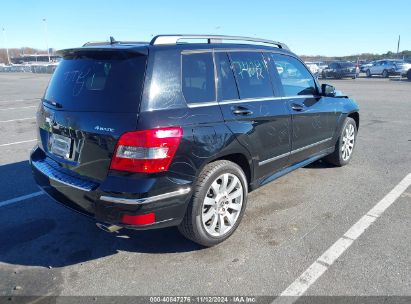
pixel 312 27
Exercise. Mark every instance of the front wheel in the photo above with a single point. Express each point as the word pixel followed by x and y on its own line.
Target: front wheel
pixel 344 147
pixel 217 205
pixel 385 74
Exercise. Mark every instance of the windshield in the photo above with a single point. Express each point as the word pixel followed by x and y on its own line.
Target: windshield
pixel 105 81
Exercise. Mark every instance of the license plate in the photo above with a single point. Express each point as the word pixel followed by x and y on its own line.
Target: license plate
pixel 60 145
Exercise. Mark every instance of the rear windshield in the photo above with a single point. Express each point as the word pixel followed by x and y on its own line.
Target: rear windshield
pixel 346 64
pixel 103 81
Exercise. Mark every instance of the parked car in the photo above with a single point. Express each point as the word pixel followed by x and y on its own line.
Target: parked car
pixel 313 68
pixel 151 135
pixel 364 67
pixel 321 66
pixel 340 69
pixel 388 67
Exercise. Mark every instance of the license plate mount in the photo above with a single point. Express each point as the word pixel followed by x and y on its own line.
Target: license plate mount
pixel 60 145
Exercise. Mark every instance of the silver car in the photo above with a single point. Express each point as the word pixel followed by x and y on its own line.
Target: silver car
pixel 388 67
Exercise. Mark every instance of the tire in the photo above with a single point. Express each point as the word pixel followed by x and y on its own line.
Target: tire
pixel 409 74
pixel 323 75
pixel 385 74
pixel 338 158
pixel 197 225
pixel 368 72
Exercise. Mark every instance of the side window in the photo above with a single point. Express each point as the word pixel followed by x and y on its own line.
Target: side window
pixel 251 74
pixel 198 77
pixel 295 78
pixel 226 86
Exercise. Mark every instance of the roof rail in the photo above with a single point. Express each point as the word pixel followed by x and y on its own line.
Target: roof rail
pixel 173 39
pixel 91 43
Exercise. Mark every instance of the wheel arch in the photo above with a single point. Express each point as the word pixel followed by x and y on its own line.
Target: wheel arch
pixel 240 160
pixel 356 117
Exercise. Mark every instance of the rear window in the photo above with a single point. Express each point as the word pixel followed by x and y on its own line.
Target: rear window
pixel 102 81
pixel 346 64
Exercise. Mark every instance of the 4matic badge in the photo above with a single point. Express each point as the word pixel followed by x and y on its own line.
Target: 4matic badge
pixel 99 128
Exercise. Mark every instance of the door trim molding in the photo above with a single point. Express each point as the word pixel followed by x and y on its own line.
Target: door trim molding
pixel 261 163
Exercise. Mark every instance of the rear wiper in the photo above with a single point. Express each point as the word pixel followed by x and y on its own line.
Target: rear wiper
pixel 53 103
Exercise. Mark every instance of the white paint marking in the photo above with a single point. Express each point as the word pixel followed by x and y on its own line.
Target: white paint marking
pixel 7 109
pixel 18 142
pixel 20 100
pixel 320 266
pixel 300 285
pixel 11 120
pixel 332 253
pixel 359 227
pixel 20 198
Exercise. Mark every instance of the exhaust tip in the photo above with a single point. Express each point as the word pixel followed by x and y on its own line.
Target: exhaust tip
pixel 108 228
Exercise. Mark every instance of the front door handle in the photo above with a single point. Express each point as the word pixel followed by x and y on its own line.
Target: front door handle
pixel 243 111
pixel 297 107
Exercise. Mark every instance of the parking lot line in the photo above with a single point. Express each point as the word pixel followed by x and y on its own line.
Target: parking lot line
pixel 321 265
pixel 20 198
pixel 6 109
pixel 11 120
pixel 19 100
pixel 18 142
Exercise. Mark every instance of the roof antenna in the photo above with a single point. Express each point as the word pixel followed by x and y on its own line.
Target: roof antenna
pixel 112 40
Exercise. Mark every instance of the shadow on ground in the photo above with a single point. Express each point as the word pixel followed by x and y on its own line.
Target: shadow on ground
pixel 319 164
pixel 39 232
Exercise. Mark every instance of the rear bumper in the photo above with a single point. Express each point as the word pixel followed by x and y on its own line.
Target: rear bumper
pixel 349 74
pixel 94 200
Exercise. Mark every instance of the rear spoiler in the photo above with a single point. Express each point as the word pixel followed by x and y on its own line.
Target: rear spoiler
pixel 143 50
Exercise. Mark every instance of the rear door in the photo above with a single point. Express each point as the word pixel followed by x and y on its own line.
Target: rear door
pixel 253 109
pixel 92 98
pixel 314 118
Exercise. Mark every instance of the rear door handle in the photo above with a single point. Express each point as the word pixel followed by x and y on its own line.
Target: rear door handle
pixel 243 111
pixel 297 107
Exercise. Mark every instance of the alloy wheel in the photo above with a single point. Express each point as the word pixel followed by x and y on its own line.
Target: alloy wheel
pixel 348 142
pixel 222 205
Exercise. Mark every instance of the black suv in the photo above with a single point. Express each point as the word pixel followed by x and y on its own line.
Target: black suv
pixel 177 131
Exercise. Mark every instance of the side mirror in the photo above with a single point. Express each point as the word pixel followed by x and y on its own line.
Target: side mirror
pixel 327 90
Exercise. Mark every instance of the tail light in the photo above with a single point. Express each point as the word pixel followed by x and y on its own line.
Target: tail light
pixel 147 151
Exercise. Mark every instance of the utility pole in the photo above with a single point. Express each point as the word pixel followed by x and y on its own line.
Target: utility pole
pixel 398 45
pixel 5 43
pixel 46 37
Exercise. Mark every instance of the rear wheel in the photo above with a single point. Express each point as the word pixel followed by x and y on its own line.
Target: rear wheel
pixel 217 205
pixel 368 73
pixel 344 147
pixel 409 74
